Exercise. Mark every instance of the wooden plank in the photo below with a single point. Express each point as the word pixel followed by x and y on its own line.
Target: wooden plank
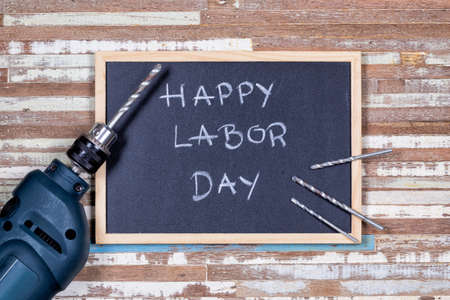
pixel 3 75
pixel 201 32
pixel 406 183
pixel 413 58
pixel 293 42
pixel 142 273
pixel 409 211
pixel 45 75
pixel 328 43
pixel 437 59
pixel 405 197
pixel 103 19
pixel 328 272
pixel 62 118
pixel 406 141
pixel 410 169
pixel 397 100
pixel 67 103
pixel 85 46
pixel 257 288
pixel 410 226
pixel 322 16
pixel 336 4
pixel 46 89
pixel 405 72
pixel 32 6
pixel 65 130
pixel 406 85
pixel 406 128
pixel 388 115
pixel 405 154
pixel 348 288
pixel 390 249
pixel 150 289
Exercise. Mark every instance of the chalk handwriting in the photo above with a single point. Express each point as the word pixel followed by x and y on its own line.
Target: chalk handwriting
pixel 203 185
pixel 224 94
pixel 234 138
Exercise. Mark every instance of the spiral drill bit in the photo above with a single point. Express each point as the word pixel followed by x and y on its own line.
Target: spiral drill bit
pixel 134 96
pixel 348 159
pixel 336 202
pixel 89 151
pixel 313 213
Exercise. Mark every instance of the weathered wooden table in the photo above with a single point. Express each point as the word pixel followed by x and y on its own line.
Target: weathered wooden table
pixel 46 100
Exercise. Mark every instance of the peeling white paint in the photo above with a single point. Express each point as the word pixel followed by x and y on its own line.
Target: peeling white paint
pixel 406 183
pixel 441 168
pixel 275 287
pixel 15 47
pixel 42 143
pixel 236 3
pixel 150 18
pixel 17 171
pixel 114 259
pixel 406 197
pixel 46 103
pixel 51 75
pixel 144 288
pixel 358 257
pixel 349 271
pixel 407 211
pixel 177 258
pixel 427 85
pixel 326 257
pixel 380 58
pixel 394 287
pixel 92 46
pixel 413 257
pixel 406 141
pixel 48 61
pixel 406 100
pixel 438 59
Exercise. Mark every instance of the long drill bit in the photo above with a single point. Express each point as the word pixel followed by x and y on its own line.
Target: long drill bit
pixel 348 159
pixel 134 96
pixel 336 202
pixel 313 213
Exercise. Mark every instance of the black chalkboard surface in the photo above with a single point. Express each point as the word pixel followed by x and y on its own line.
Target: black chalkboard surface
pixel 211 149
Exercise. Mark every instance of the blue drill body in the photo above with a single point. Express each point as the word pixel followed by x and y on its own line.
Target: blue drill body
pixel 44 234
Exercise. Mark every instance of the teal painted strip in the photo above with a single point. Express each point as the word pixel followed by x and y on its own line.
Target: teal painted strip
pixel 368 244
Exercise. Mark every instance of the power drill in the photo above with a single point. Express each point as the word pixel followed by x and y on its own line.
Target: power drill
pixel 44 233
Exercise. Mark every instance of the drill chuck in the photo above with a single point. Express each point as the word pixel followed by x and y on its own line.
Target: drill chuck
pixel 91 150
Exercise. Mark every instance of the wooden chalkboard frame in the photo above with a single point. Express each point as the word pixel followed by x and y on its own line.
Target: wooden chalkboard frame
pixel 102 237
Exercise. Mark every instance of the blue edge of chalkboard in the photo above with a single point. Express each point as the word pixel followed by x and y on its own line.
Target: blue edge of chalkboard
pixel 367 244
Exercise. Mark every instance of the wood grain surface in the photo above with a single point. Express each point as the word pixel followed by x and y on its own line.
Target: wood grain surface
pixel 46 100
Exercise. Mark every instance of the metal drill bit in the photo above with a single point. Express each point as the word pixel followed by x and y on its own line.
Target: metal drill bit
pixel 134 96
pixel 313 213
pixel 336 202
pixel 348 159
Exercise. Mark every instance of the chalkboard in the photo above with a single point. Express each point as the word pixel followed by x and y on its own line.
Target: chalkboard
pixel 208 154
